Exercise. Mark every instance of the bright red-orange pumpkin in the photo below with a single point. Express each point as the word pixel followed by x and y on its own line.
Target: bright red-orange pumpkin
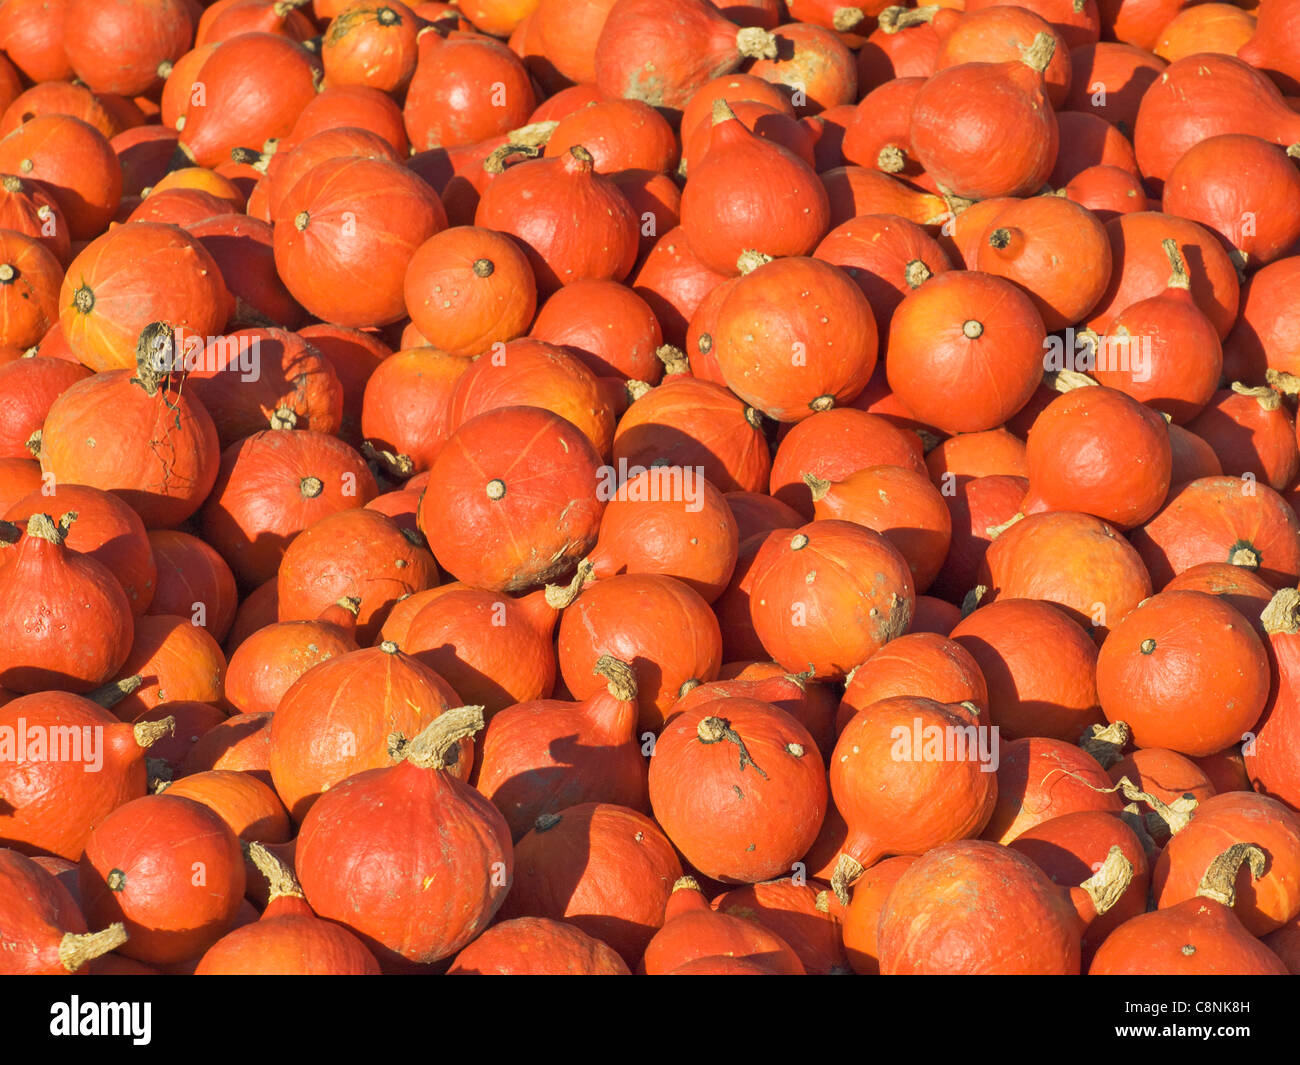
pixel 739 787
pixel 373 871
pixel 513 499
pixel 139 869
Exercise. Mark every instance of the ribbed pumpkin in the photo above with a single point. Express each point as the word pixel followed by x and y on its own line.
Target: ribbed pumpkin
pixel 51 798
pixel 1005 916
pixel 543 757
pixel 337 719
pixel 817 602
pixel 687 422
pixel 104 311
pixel 537 946
pixel 349 218
pixel 656 623
pixel 794 337
pixel 690 41
pixel 1039 667
pixel 739 787
pixel 266 664
pixel 65 622
pixel 512 500
pixel 574 224
pixel 1199 936
pixel 1007 133
pixel 940 339
pixel 170 870
pixel 467 288
pixel 723 216
pixel 271 486
pixel 908 775
pixel 604 869
pixel 158 445
pixel 358 553
pixel 372 848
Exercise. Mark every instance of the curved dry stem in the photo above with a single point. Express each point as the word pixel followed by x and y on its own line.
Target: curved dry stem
pixel 438 745
pixel 1107 885
pixel 558 596
pixel 620 677
pixel 147 733
pixel 1220 880
pixel 76 949
pixel 847 869
pixel 1282 615
pixel 278 875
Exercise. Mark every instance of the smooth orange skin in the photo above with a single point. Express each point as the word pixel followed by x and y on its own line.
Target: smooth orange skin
pixel 692 931
pixel 1156 944
pixel 1037 782
pixel 973 907
pixel 1262 905
pixel 696 790
pixel 1076 561
pixel 249 807
pixel 920 663
pixel 1120 459
pixel 907 805
pixel 159 841
pixel 953 381
pixel 1201 686
pixel 866 598
pixel 1039 666
pixel 604 869
pixel 337 718
pixel 537 946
